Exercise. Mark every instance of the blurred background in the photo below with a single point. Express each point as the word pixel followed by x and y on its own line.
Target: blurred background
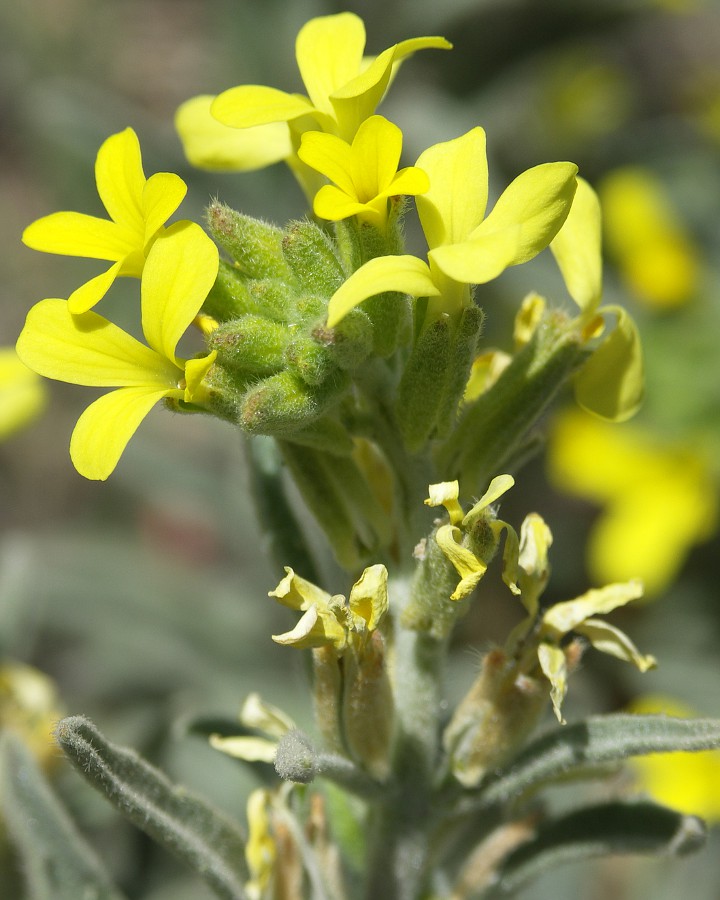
pixel 143 599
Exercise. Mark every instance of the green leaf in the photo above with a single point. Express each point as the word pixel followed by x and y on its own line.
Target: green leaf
pixel 57 863
pixel 599 831
pixel 595 742
pixel 186 825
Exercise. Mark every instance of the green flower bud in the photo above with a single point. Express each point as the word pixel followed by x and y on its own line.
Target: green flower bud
pixel 310 360
pixel 256 246
pixel 313 259
pixel 251 344
pixel 284 403
pixel 350 342
pixel 391 318
pixel 295 759
pixel 229 297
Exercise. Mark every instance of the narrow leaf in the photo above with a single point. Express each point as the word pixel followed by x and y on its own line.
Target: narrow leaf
pixel 596 741
pixel 599 831
pixel 186 825
pixel 57 863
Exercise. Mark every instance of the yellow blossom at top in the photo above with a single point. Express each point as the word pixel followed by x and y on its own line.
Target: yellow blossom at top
pixel 465 246
pixel 88 349
pixel 343 86
pixel 364 174
pixel 611 382
pixel 22 393
pixel 647 239
pixel 657 499
pixel 138 209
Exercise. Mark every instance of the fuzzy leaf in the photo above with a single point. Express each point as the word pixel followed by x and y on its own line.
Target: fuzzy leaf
pixel 599 831
pixel 57 863
pixel 595 742
pixel 186 825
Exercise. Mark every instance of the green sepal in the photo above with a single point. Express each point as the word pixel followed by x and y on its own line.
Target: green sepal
pixel 56 861
pixel 422 386
pixel 360 241
pixel 391 318
pixel 497 426
pixel 283 403
pixel 184 824
pixel 251 344
pixel 593 743
pixel 309 471
pixel 601 830
pixel 371 520
pixel 255 246
pixel 313 259
pixel 464 340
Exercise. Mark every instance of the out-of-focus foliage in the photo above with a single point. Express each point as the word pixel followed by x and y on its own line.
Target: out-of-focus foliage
pixel 144 599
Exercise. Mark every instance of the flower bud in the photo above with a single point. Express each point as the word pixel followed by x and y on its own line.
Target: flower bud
pixel 256 246
pixel 283 403
pixel 312 258
pixel 310 360
pixel 251 344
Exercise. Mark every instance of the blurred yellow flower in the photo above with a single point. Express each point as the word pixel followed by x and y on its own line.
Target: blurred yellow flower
pixel 22 393
pixel 29 706
pixel 687 782
pixel 647 239
pixel 657 500
pixel 138 209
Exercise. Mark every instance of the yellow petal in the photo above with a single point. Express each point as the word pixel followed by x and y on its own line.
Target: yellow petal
pixel 369 596
pixel 466 564
pixel 377 148
pixel 409 182
pixel 251 749
pixel 104 429
pixel 554 667
pixel 563 617
pixel 77 234
pixel 329 51
pixel 611 384
pixel 406 274
pixel 180 270
pixel 195 372
pixel 455 203
pixel 498 486
pixel 608 639
pixel 314 630
pixel 256 713
pixel 253 104
pixel 577 248
pixel 533 563
pixel 480 260
pixel 87 295
pixel 446 494
pixel 120 179
pixel 161 196
pixel 208 144
pixel 297 593
pixel 87 349
pixel 332 157
pixel 335 205
pixel 539 201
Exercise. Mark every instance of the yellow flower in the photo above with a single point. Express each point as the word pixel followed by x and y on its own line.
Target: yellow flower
pixel 88 349
pixel 687 782
pixel 261 850
pixel 343 89
pixel 465 247
pixel 658 500
pixel 611 382
pixel 364 174
pixel 138 209
pixel 647 239
pixel 22 393
pixel 328 620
